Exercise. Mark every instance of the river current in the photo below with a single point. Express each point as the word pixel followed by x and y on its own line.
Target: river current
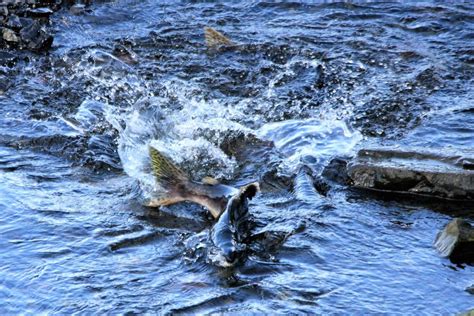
pixel 305 82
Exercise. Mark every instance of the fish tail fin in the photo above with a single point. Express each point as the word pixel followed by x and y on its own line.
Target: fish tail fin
pixel 250 190
pixel 214 38
pixel 238 206
pixel 164 170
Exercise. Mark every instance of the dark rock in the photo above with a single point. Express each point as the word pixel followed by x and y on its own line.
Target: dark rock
pixel 470 289
pixel 125 54
pixel 7 59
pixel 4 84
pixel 321 185
pixel 442 174
pixel 14 22
pixel 3 10
pixel 35 38
pixel 52 4
pixel 336 171
pixel 456 241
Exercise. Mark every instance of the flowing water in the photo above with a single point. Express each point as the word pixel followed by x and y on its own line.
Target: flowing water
pixel 305 82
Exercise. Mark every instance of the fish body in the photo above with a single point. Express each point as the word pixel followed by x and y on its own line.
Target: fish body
pixel 233 228
pixel 174 186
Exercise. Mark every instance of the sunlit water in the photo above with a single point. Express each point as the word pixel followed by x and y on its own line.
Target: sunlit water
pixel 306 83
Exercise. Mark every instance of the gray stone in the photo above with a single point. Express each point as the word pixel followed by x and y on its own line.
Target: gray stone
pixel 10 35
pixel 444 174
pixel 3 10
pixel 456 241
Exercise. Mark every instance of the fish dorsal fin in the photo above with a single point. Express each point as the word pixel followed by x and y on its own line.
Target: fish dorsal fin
pixel 215 38
pixel 210 181
pixel 164 169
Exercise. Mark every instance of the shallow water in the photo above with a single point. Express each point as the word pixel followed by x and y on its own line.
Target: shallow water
pixel 317 80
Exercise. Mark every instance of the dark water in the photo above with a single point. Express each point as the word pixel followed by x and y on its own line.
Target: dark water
pixel 319 80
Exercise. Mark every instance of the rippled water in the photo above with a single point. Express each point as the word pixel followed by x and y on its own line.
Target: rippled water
pixel 306 82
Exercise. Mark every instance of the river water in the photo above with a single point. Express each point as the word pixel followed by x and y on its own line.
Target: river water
pixel 305 82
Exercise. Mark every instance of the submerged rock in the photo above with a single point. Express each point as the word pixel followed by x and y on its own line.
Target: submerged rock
pixel 456 241
pixel 7 59
pixel 125 54
pixel 442 174
pixel 4 85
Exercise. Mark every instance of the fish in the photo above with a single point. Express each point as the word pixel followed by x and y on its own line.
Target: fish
pixel 216 39
pixel 173 185
pixel 233 228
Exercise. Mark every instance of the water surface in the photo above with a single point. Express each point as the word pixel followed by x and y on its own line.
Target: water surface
pixel 307 82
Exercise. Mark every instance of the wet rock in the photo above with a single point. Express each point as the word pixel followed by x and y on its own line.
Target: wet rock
pixel 14 22
pixel 470 289
pixel 270 180
pixel 77 9
pixel 321 185
pixel 7 59
pixel 446 175
pixel 456 241
pixel 49 3
pixel 4 85
pixel 336 171
pixel 125 54
pixel 35 37
pixel 40 12
pixel 10 35
pixel 3 10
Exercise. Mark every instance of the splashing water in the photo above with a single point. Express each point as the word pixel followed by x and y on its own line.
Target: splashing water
pixel 310 142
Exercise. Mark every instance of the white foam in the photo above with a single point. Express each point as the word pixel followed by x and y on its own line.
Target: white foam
pixel 311 142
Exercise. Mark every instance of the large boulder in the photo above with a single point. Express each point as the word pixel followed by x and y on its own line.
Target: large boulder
pixel 444 174
pixel 456 241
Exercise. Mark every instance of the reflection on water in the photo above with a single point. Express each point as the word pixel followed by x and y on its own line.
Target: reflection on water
pixel 316 80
